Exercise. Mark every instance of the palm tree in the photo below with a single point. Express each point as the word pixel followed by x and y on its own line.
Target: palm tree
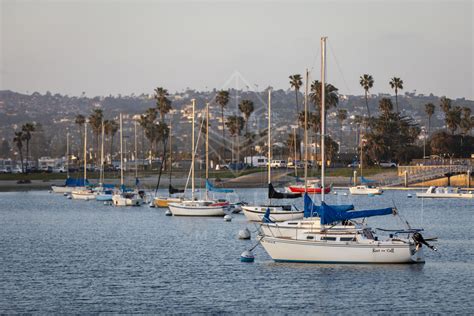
pixel 95 120
pixel 235 124
pixel 111 127
pixel 147 122
pixel 80 121
pixel 465 123
pixel 445 104
pixel 246 107
pixel 331 96
pixel 162 102
pixel 296 82
pixel 222 99
pixel 27 129
pixel 341 117
pixel 367 82
pixel 429 110
pixel 18 140
pixel 453 119
pixel 396 84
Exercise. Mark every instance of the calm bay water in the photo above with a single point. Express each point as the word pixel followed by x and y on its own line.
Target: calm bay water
pixel 59 255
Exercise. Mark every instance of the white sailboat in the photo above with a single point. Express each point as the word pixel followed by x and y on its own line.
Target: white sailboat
pixel 334 236
pixel 445 192
pixel 84 193
pixel 193 207
pixel 124 198
pixel 278 213
pixel 104 193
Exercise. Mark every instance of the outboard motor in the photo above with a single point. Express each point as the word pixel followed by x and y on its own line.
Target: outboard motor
pixel 419 241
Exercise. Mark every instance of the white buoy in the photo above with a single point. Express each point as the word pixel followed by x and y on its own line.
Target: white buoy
pixel 69 197
pixel 151 204
pixel 244 233
pixel 345 194
pixel 335 193
pixel 168 213
pixel 409 195
pixel 227 218
pixel 65 194
pixel 247 256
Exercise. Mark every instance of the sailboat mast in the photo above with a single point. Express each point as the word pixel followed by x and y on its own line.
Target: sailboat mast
pixel 269 135
pixel 323 113
pixel 207 146
pixel 361 143
pixel 121 151
pixel 85 152
pixel 294 157
pixel 136 151
pixel 67 154
pixel 171 155
pixel 102 155
pixel 306 133
pixel 192 153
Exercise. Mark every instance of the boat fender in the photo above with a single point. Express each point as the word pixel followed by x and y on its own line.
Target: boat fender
pixel 244 234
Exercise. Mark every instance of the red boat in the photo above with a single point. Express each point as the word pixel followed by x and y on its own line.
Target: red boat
pixel 314 190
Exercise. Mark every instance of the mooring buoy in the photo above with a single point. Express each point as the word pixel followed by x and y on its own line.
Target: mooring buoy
pixel 227 218
pixel 244 234
pixel 247 256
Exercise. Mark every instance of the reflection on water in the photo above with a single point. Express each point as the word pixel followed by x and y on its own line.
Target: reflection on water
pixel 58 256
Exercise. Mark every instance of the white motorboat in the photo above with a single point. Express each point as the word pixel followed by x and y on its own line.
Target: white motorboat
pixel 445 192
pixel 365 190
pixel 84 194
pixel 64 188
pixel 127 199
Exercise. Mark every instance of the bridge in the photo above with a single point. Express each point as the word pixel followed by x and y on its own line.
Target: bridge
pixel 414 174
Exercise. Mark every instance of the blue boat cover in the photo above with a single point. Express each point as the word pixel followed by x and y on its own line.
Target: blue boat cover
pixel 108 186
pixel 329 215
pixel 364 180
pixel 73 182
pixel 211 188
pixel 266 218
pixel 310 209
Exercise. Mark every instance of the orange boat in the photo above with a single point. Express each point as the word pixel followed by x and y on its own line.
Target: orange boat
pixel 314 190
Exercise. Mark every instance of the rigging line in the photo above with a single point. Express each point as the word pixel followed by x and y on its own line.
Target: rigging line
pixel 339 67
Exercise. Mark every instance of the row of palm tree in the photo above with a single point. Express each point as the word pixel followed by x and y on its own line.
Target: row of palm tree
pixel 24 135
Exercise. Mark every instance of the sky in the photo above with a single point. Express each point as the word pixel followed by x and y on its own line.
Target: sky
pixel 108 47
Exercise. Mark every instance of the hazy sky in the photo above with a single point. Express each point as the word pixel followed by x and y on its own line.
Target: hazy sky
pixel 108 47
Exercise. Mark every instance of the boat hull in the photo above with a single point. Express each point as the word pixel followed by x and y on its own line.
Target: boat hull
pixel 288 250
pixel 63 189
pixel 300 189
pixel 180 209
pixel 367 191
pixel 277 214
pixel 79 195
pixel 163 202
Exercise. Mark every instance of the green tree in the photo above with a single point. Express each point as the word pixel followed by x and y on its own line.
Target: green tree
pixel 331 95
pixel 396 84
pixel 222 98
pixel 367 82
pixel 147 122
pixel 429 110
pixel 27 129
pixel 163 103
pixel 341 117
pixel 386 106
pixel 445 104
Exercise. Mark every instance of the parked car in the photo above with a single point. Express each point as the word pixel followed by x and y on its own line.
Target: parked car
pixel 387 164
pixel 17 170
pixel 278 164
pixel 59 170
